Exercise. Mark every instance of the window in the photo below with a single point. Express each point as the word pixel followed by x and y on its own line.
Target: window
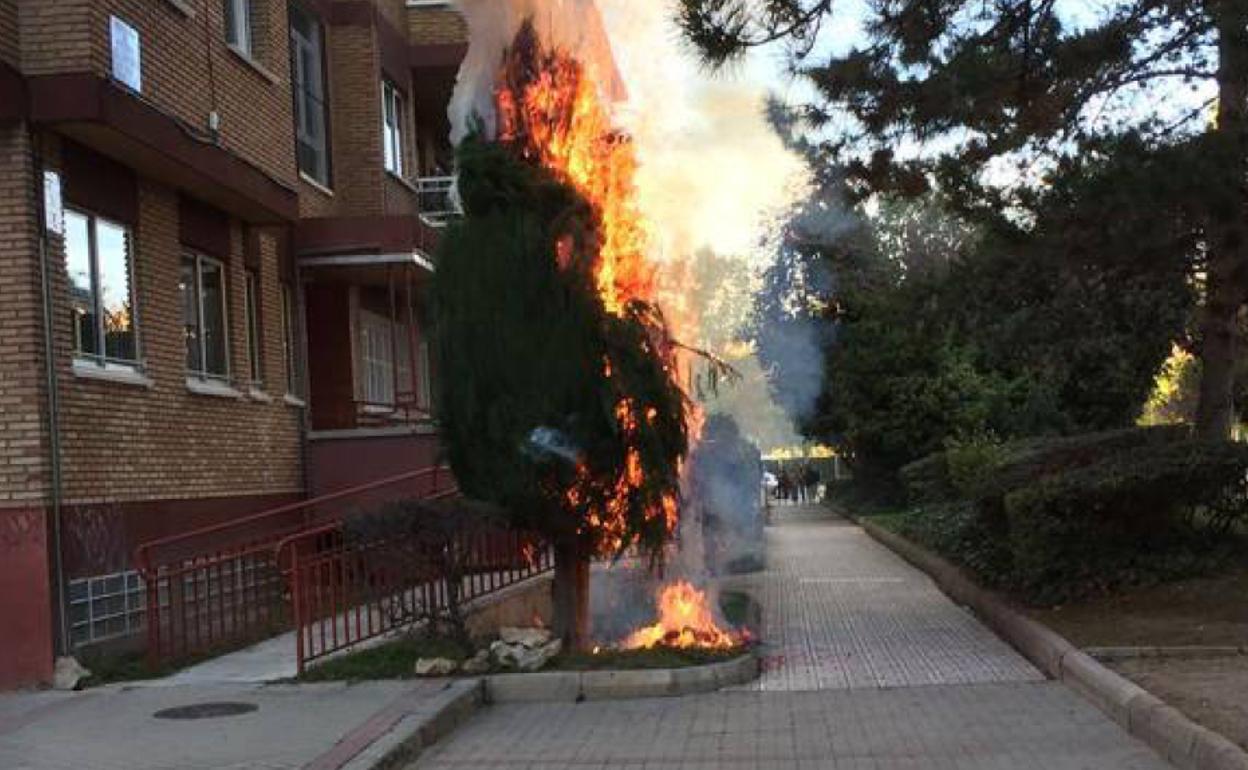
pixel 376 359
pixel 288 340
pixel 308 81
pixel 392 127
pixel 203 317
pixel 252 291
pixel 97 254
pixel 238 25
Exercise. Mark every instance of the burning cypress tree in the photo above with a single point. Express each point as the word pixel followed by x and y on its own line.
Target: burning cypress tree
pixel 561 410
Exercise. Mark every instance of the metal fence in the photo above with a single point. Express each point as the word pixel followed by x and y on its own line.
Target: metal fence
pixel 223 586
pixel 347 591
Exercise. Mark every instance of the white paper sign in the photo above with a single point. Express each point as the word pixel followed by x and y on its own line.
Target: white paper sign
pixel 127 54
pixel 53 209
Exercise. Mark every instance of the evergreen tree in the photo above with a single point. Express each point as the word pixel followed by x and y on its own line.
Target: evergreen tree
pixel 973 83
pixel 550 406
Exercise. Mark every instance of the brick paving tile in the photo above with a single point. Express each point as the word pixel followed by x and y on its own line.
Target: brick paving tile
pixel 870 667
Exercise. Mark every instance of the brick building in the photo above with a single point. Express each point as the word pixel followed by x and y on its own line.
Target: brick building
pixel 216 222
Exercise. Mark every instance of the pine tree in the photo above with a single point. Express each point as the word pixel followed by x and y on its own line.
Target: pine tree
pixel 976 82
pixel 538 381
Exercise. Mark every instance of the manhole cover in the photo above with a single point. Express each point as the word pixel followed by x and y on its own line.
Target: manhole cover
pixel 207 711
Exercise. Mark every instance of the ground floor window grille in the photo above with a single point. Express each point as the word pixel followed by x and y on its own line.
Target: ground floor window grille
pixel 106 607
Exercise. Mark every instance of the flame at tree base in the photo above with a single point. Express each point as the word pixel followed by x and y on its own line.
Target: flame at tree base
pixel 685 621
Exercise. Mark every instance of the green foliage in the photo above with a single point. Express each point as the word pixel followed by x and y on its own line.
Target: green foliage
pixel 390 660
pixel 1057 518
pixel 985 470
pixel 1084 138
pixel 525 403
pixel 1066 526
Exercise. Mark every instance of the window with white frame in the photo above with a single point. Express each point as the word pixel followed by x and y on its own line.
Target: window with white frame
pixel 377 364
pixel 307 76
pixel 252 302
pixel 98 258
pixel 204 317
pixel 392 127
pixel 238 29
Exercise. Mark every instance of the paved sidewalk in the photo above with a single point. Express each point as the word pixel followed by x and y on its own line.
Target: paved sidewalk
pixel 309 727
pixel 869 667
pixel 841 611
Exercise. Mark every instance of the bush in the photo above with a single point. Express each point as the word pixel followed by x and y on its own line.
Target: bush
pixel 1112 520
pixel 1056 518
pixel 956 531
pixel 982 469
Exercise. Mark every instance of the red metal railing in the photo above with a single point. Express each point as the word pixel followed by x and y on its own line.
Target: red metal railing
pixel 222 586
pixel 345 592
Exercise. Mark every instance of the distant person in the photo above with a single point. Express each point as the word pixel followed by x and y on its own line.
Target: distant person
pixel 810 481
pixel 786 485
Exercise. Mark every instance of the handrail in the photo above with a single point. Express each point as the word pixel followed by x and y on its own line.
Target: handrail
pixel 331 527
pixel 141 555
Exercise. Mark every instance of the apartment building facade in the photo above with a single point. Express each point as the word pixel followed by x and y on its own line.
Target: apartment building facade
pixel 216 226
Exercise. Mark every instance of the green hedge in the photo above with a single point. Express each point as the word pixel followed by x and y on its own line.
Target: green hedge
pixel 1054 518
pixel 1143 500
pixel 984 470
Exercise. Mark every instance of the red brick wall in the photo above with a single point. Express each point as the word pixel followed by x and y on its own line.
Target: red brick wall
pixel 435 26
pixel 25 602
pixel 56 36
pixel 25 599
pixel 8 32
pixel 128 443
pixel 188 70
pixel 23 469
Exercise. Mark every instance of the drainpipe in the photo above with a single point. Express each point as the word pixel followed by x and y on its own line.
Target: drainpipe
pixel 53 389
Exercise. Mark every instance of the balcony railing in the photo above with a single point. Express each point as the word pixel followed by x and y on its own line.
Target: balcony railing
pixel 406 410
pixel 438 203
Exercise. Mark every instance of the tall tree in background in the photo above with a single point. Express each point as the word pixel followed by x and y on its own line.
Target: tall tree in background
pixel 958 86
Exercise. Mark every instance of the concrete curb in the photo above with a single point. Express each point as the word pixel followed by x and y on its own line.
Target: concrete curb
pixel 617 685
pixel 415 732
pixel 1165 729
pixel 1189 652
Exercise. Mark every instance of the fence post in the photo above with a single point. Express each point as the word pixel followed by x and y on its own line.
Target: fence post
pixel 296 602
pixel 152 586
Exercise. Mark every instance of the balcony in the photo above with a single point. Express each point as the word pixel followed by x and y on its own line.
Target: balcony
pixel 438 200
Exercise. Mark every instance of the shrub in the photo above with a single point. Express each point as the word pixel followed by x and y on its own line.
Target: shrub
pixel 984 470
pixel 1109 520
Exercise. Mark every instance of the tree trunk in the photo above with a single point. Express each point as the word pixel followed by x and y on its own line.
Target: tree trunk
pixel 571 594
pixel 1225 290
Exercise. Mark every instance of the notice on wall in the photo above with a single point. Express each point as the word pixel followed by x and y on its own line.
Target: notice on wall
pixel 53 208
pixel 127 54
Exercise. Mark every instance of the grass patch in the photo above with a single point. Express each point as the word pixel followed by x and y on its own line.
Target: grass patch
pixel 893 521
pixel 633 660
pixel 113 668
pixel 390 660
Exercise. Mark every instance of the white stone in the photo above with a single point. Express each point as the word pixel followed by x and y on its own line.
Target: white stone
pixel 534 659
pixel 68 673
pixel 435 667
pixel 529 637
pixel 477 664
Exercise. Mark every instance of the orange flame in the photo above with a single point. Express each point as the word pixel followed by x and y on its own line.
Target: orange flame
pixel 549 106
pixel 566 126
pixel 551 109
pixel 685 620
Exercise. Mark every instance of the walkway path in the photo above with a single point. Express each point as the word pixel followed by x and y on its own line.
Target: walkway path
pixel 869 667
pixel 841 611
